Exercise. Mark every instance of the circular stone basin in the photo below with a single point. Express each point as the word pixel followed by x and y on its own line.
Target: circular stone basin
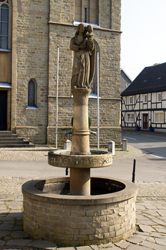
pixel 63 159
pixel 50 213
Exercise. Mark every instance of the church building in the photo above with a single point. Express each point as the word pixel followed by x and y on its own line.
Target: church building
pixel 31 31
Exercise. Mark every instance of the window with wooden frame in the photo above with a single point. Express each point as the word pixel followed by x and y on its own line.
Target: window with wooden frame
pixel 145 98
pixel 159 117
pixel 87 11
pixel 130 99
pixel 130 117
pixel 32 94
pixel 159 97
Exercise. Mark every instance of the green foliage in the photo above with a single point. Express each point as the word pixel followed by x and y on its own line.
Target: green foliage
pixel 88 119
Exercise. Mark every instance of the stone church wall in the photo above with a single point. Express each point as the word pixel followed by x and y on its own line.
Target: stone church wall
pixel 41 27
pixel 32 63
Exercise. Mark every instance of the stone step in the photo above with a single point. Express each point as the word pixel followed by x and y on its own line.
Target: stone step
pixel 3 138
pixel 8 139
pixel 14 142
pixel 16 145
pixel 7 133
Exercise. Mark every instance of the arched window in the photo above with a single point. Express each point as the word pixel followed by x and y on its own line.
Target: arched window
pixel 4 24
pixel 32 94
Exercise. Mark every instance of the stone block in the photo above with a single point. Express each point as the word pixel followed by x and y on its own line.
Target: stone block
pixel 67 145
pixel 111 147
pixel 124 145
pixel 99 219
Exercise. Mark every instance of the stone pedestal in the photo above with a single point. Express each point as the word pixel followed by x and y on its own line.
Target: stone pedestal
pixel 80 178
pixel 80 181
pixel 81 132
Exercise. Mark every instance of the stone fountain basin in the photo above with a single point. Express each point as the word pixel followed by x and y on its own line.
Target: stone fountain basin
pixel 63 159
pixel 108 215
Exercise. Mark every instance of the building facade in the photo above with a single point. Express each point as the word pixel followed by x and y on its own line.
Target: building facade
pixel 125 81
pixel 31 32
pixel 144 101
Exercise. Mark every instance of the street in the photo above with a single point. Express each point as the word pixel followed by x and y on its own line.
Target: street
pixel 150 165
pixel 148 142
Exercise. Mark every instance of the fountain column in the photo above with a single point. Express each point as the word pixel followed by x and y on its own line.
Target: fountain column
pixel 80 177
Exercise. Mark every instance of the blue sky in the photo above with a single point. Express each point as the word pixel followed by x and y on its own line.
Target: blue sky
pixel 143 39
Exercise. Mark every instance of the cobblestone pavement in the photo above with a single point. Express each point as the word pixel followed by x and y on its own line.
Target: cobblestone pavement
pixel 39 155
pixel 150 215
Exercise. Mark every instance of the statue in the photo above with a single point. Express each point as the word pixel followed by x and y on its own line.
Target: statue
pixel 84 57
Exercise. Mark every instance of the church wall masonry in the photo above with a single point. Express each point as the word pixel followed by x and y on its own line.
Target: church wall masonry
pixel 41 27
pixel 32 63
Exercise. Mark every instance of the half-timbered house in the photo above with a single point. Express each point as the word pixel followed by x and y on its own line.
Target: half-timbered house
pixel 143 102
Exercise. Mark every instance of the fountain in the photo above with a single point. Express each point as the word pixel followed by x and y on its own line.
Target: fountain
pixel 80 210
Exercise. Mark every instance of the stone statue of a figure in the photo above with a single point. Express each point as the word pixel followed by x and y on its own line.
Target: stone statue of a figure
pixel 84 57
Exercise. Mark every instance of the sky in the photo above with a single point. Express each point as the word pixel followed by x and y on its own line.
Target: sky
pixel 143 39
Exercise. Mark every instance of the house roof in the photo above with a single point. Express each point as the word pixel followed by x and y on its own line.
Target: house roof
pixel 151 79
pixel 125 76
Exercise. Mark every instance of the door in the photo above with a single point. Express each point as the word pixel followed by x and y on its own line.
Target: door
pixel 145 121
pixel 3 110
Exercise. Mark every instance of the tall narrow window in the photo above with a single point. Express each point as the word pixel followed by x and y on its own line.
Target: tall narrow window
pixel 4 23
pixel 31 94
pixel 145 98
pixel 87 11
pixel 159 97
pixel 130 99
pixel 85 15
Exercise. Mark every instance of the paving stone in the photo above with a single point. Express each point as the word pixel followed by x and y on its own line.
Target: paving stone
pixel 66 248
pixel 161 241
pixel 94 247
pixel 14 205
pixel 110 244
pixel 151 239
pixel 137 247
pixel 122 244
pixel 15 214
pixel 42 244
pixel 18 242
pixel 157 235
pixel 83 248
pixel 8 238
pixel 5 226
pixel 152 245
pixel 19 234
pixel 137 239
pixel 4 233
pixel 2 243
pixel 113 248
pixel 161 212
pixel 147 222
pixel 147 229
pixel 160 229
pixel 108 248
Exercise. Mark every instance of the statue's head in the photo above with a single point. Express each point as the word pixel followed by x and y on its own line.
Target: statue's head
pixel 81 27
pixel 90 28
